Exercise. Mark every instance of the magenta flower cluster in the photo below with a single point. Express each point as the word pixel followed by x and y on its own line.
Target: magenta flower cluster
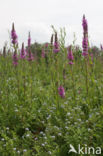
pixel 30 56
pixel 15 59
pixel 61 91
pixel 14 35
pixel 23 52
pixel 101 47
pixel 29 40
pixel 70 55
pixel 85 37
pixel 56 44
pixel 43 53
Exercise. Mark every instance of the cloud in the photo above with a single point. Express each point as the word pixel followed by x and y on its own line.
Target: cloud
pixel 38 16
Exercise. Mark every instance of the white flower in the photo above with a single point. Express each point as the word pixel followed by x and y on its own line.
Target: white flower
pixel 7 128
pixel 68 114
pixel 27 129
pixel 16 110
pixel 49 152
pixel 45 137
pixel 53 137
pixel 41 132
pixel 27 135
pixel 36 138
pixel 59 134
pixel 43 144
pixel 18 152
pixel 22 137
pixel 66 127
pixel 24 150
pixel 2 139
pixel 14 149
pixel 89 129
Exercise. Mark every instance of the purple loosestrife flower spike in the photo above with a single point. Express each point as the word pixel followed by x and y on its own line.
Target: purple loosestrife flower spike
pixel 85 37
pixel 61 91
pixel 23 53
pixel 14 35
pixel 30 57
pixel 101 47
pixel 15 59
pixel 70 55
pixel 43 53
pixel 4 51
pixel 29 40
pixel 51 41
pixel 46 45
pixel 56 44
pixel 85 25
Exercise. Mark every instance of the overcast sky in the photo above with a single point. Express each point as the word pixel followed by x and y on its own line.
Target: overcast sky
pixel 37 16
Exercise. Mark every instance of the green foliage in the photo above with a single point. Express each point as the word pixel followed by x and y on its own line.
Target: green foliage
pixel 34 119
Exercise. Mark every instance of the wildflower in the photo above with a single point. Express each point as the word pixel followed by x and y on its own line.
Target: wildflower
pixel 4 51
pixel 14 35
pixel 36 138
pixel 91 56
pixel 101 47
pixel 46 45
pixel 49 152
pixel 68 114
pixel 85 25
pixel 27 129
pixel 43 53
pixel 70 56
pixel 30 56
pixel 53 137
pixel 15 59
pixel 60 134
pixel 29 40
pixel 7 128
pixel 22 54
pixel 56 44
pixel 51 40
pixel 41 132
pixel 85 37
pixel 61 91
pixel 24 150
pixel 27 135
pixel 14 149
pixel 18 152
pixel 85 46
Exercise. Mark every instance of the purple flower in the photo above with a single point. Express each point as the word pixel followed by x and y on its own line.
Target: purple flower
pixel 30 56
pixel 14 35
pixel 15 59
pixel 71 63
pixel 101 47
pixel 29 40
pixel 85 25
pixel 61 91
pixel 91 56
pixel 43 53
pixel 51 41
pixel 85 37
pixel 56 44
pixel 70 55
pixel 46 45
pixel 23 53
